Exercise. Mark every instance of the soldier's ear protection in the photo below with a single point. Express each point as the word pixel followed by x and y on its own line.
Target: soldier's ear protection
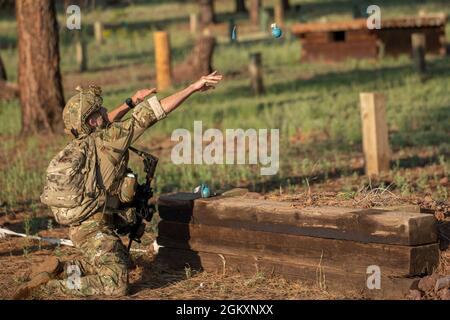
pixel 104 112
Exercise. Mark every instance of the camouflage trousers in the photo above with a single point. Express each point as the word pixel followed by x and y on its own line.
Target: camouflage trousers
pixel 103 269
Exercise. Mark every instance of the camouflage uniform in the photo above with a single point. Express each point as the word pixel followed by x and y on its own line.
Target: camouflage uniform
pixel 104 267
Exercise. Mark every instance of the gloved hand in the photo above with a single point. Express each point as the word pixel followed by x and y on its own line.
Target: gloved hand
pixel 124 220
pixel 140 231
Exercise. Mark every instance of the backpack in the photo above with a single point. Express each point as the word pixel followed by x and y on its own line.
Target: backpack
pixel 71 189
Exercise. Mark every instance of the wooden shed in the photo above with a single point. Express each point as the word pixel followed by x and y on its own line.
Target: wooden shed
pixel 337 41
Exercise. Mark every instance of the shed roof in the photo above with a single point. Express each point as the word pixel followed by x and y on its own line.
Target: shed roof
pixel 359 24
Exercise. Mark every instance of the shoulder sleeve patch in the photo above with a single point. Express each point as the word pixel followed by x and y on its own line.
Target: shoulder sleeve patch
pixel 156 107
pixel 148 112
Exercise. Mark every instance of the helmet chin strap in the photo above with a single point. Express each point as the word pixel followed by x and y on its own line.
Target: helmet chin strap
pixel 74 132
pixel 104 115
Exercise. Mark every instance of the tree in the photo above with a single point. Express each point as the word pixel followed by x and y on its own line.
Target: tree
pixel 41 92
pixel 255 7
pixel 240 6
pixel 207 15
pixel 3 76
pixel 200 60
pixel 8 90
pixel 6 4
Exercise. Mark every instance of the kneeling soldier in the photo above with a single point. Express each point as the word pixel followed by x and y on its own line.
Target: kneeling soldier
pixel 103 269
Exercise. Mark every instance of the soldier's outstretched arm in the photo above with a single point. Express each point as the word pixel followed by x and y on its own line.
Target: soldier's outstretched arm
pixel 120 135
pixel 118 113
pixel 204 83
pixel 169 103
pixel 153 110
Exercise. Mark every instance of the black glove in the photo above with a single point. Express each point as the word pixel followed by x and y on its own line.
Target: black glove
pixel 124 220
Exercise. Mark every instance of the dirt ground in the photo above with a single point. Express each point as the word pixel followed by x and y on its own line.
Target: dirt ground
pixel 149 279
pixel 152 280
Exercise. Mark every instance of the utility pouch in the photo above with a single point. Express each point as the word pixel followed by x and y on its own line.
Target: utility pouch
pixel 128 188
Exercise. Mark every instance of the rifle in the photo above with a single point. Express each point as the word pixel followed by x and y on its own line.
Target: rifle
pixel 144 192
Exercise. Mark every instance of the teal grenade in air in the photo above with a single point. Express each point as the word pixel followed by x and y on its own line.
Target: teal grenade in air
pixel 276 30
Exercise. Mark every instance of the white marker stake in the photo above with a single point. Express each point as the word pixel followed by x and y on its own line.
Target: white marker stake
pixel 65 242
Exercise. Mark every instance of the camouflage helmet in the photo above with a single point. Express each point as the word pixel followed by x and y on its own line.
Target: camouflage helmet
pixel 79 108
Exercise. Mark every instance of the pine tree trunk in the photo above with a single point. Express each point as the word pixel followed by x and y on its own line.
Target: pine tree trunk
pixel 41 92
pixel 3 76
pixel 207 16
pixel 199 61
pixel 202 56
pixel 6 4
pixel 240 6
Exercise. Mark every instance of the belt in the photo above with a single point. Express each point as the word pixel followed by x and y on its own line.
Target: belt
pixel 103 218
pixel 102 215
pixel 112 202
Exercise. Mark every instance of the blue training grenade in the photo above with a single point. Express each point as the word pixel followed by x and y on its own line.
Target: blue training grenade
pixel 204 191
pixel 276 31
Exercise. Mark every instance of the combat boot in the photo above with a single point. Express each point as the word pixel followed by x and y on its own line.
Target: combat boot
pixel 40 275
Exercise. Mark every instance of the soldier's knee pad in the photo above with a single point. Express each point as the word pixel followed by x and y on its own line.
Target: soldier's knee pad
pixel 117 288
pixel 120 290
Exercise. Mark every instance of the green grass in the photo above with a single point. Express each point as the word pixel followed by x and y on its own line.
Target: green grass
pixel 317 99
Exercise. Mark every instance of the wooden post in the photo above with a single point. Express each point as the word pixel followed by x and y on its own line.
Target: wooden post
pixel 3 76
pixel 256 76
pixel 375 133
pixel 240 7
pixel 418 43
pixel 162 60
pixel 98 32
pixel 207 13
pixel 255 6
pixel 279 13
pixel 381 49
pixel 193 22
pixel 444 48
pixel 81 53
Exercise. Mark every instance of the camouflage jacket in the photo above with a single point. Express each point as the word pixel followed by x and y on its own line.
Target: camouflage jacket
pixel 112 142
